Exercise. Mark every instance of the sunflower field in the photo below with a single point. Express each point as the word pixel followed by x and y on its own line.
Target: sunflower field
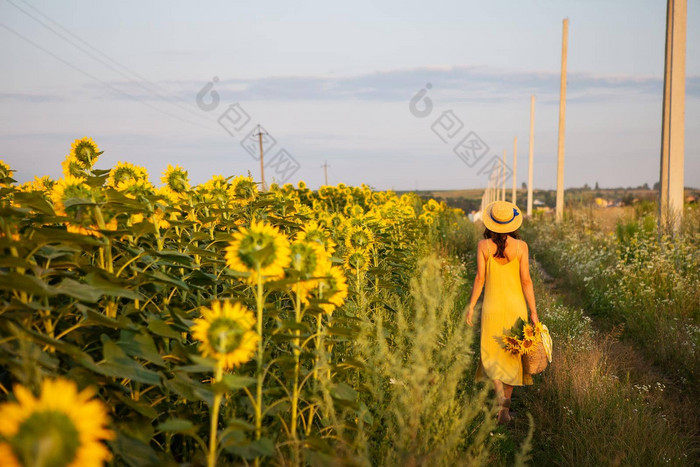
pixel 221 325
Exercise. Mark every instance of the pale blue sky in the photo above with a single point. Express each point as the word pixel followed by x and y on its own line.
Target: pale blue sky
pixel 332 81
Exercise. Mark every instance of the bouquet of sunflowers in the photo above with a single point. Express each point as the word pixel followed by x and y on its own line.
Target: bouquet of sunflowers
pixel 532 342
pixel 523 337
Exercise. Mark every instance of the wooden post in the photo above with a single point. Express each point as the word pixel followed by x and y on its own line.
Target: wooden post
pixel 532 150
pixel 515 169
pixel 673 127
pixel 325 171
pixel 562 124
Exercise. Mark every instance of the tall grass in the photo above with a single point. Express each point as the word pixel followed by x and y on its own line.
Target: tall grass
pixel 635 277
pixel 588 409
pixel 419 350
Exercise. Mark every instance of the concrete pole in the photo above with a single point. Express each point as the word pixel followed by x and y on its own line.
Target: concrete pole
pixel 503 176
pixel 532 150
pixel 262 164
pixel 562 124
pixel 673 127
pixel 515 169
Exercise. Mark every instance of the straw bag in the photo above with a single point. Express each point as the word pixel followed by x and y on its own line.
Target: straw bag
pixel 536 361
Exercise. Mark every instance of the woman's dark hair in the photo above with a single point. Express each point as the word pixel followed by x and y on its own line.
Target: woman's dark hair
pixel 500 240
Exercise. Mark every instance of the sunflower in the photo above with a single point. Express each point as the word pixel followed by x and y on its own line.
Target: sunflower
pixel 5 172
pixel 92 230
pixel 527 345
pixel 69 188
pixel 307 259
pixel 529 331
pixel 60 427
pixel 313 232
pixel 357 260
pixel 136 188
pixel 43 184
pixel 331 288
pixel 427 217
pixel 169 196
pixel 259 249
pixel 225 333
pixel 359 237
pixel 176 178
pixel 243 190
pixel 125 172
pixel 216 191
pixel 538 330
pixel 72 167
pixel 512 345
pixel 86 151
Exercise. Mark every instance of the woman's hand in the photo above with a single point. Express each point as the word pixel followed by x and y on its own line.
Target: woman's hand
pixel 470 315
pixel 533 317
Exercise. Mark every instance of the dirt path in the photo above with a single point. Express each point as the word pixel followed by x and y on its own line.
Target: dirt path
pixel 677 402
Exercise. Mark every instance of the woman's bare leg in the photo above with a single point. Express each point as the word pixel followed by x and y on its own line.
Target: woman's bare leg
pixel 507 390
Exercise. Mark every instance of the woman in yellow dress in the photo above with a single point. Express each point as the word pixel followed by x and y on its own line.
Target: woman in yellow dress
pixel 503 268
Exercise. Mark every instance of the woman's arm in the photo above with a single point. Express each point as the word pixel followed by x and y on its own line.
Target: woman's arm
pixel 478 280
pixel 526 282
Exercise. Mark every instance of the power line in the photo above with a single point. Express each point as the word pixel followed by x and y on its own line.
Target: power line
pixel 165 98
pixel 108 85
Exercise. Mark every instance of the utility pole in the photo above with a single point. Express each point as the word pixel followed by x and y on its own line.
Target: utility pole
pixel 262 164
pixel 532 150
pixel 325 171
pixel 673 118
pixel 503 176
pixel 562 124
pixel 515 169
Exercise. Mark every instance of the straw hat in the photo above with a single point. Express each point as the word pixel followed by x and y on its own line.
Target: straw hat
pixel 502 217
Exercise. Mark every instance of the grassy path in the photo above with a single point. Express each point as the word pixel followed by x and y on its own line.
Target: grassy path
pixel 601 402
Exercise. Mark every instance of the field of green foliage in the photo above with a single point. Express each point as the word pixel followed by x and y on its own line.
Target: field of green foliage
pixel 217 324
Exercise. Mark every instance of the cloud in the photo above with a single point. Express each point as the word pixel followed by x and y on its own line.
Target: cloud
pixel 458 83
pixel 30 98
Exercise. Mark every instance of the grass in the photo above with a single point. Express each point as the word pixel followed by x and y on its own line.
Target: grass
pixel 594 405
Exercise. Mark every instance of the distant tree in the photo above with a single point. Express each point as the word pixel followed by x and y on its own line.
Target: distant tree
pixel 596 186
pixel 524 186
pixel 645 186
pixel 657 186
pixel 586 187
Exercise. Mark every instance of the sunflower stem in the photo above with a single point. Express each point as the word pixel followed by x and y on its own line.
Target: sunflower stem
pixel 295 383
pixel 259 373
pixel 214 422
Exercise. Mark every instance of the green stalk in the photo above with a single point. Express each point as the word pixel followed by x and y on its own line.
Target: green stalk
pixel 107 262
pixel 214 421
pixel 259 373
pixel 295 384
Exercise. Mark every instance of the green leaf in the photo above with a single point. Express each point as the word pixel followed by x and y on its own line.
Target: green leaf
pixel 108 284
pixel 175 256
pixel 34 200
pixel 26 283
pixel 190 390
pixel 161 328
pixel 158 276
pixel 343 392
pixel 176 425
pixel 140 346
pixel 234 382
pixel 138 406
pixel 134 452
pixel 83 292
pixel 118 365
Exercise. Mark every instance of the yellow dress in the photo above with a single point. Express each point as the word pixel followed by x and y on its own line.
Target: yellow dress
pixel 504 303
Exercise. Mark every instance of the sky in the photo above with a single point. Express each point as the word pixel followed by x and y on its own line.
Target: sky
pixel 381 91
